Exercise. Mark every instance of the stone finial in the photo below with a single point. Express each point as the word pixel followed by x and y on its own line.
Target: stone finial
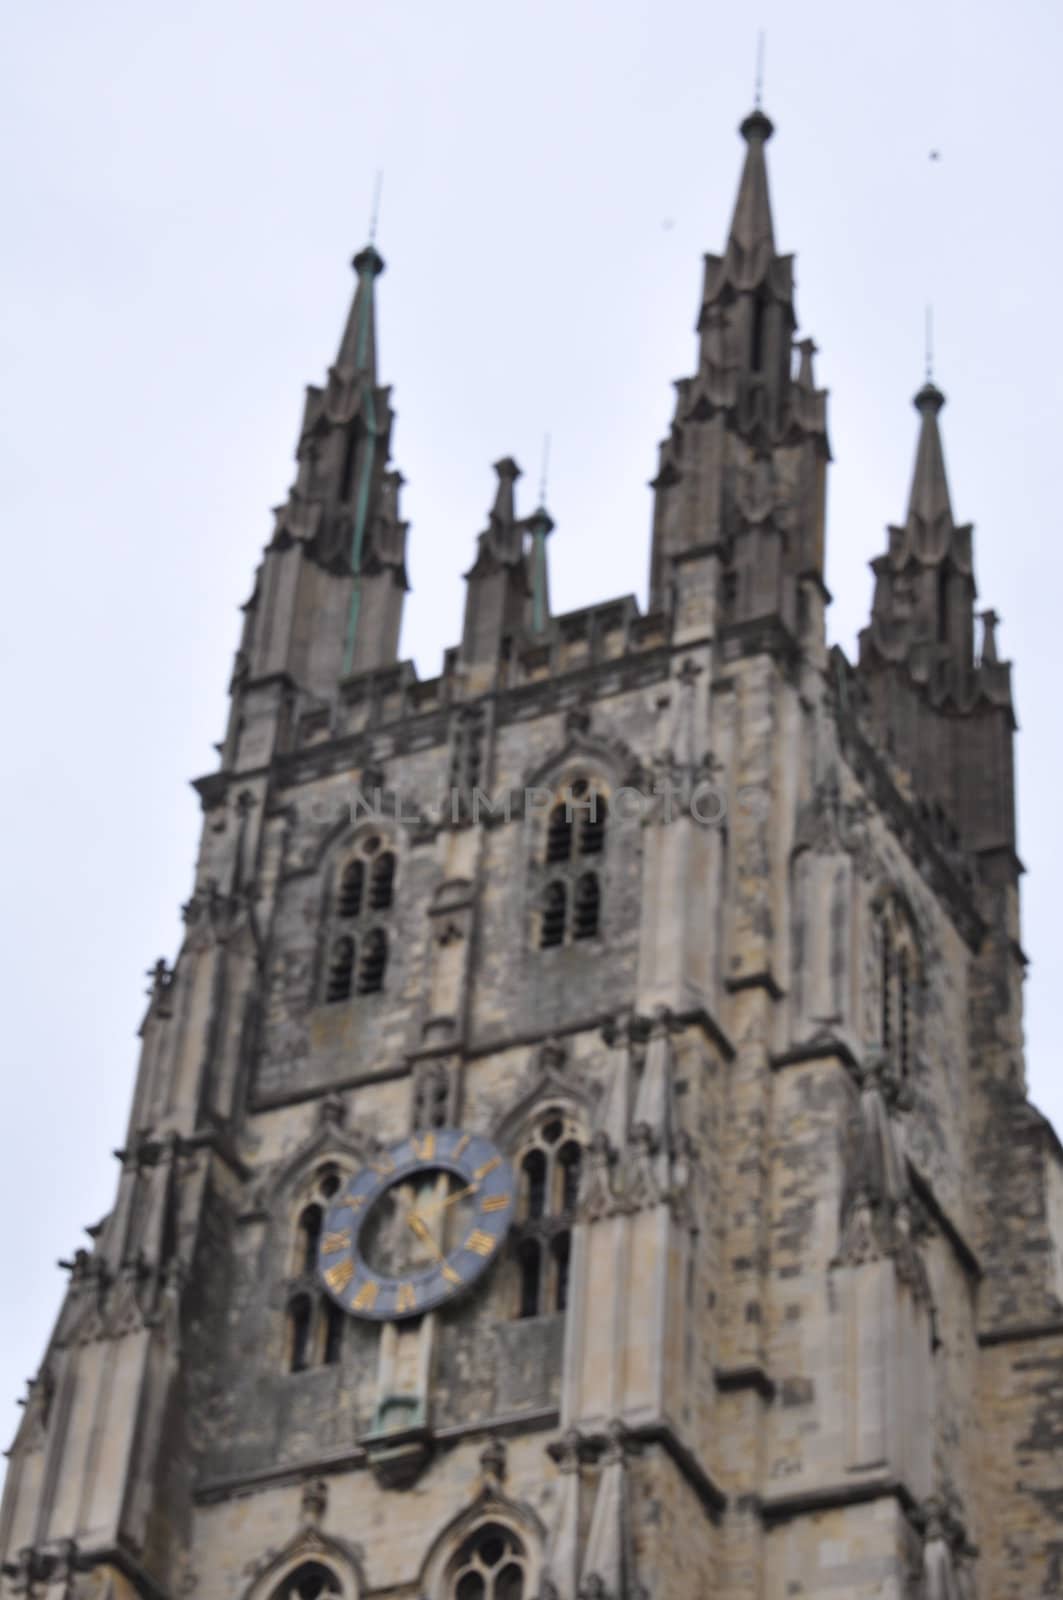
pixel 314 1501
pixel 493 1461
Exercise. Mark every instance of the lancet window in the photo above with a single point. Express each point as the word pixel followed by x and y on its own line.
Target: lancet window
pixel 313 1322
pixel 899 979
pixel 569 907
pixel 357 949
pixel 548 1170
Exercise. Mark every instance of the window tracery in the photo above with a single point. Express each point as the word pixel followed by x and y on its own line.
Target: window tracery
pixel 569 905
pixel 311 1581
pixel 491 1564
pixel 548 1169
pixel 314 1331
pixel 899 978
pixel 357 942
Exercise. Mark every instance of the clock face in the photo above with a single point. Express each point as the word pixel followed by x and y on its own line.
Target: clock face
pixel 418 1225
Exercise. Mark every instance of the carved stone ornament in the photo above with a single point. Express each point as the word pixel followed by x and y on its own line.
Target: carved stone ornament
pixel 598 1197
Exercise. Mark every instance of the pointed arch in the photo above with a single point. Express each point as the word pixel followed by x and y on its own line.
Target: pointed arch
pixel 901 976
pixel 490 1509
pixel 310 1553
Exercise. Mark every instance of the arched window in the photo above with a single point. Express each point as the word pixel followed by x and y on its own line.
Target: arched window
pixel 586 907
pixel 549 1168
pixel 357 944
pixel 382 881
pixel 592 824
pixel 314 1323
pixel 352 887
pixel 309 1235
pixel 570 900
pixel 300 1317
pixel 311 1581
pixel 898 985
pixel 554 916
pixel 374 962
pixel 559 833
pixel 491 1565
pixel 341 969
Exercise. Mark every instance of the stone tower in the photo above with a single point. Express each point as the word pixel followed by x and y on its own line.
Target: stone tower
pixel 581 1148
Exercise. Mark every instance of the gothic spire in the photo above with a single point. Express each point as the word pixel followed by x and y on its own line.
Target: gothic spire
pixel 929 499
pixel 748 446
pixel 357 351
pixel 919 664
pixel 751 225
pixel 923 609
pixel 499 592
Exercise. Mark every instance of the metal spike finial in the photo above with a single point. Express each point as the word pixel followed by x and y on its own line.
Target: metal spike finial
pixel 758 79
pixel 929 344
pixel 374 216
pixel 545 469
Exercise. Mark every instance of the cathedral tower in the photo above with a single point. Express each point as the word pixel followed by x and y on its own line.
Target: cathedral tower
pixel 581 1150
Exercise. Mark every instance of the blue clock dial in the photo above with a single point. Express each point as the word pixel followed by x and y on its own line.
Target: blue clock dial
pixel 417 1226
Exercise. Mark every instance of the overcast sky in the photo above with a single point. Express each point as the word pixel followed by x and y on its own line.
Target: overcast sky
pixel 185 186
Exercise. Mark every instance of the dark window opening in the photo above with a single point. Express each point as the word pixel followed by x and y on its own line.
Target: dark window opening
pixel 530 1262
pixel 559 833
pixel 351 886
pixel 592 828
pixel 374 962
pixel 561 1248
pixel 587 906
pixel 309 1235
pixel 382 882
pixel 569 1157
pixel 534 1169
pixel 341 969
pixel 299 1332
pixel 943 604
pixel 756 358
pixel 311 1581
pixel 554 916
pixel 351 452
pixel 333 1333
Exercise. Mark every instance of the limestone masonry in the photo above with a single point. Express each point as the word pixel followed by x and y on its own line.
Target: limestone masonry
pixel 778 1309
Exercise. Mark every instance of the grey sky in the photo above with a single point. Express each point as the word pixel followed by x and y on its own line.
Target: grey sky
pixel 185 187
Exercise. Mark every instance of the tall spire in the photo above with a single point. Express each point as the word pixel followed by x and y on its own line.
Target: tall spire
pixel 357 353
pixel 329 601
pixel 751 225
pixel 942 713
pixel 929 499
pixel 745 462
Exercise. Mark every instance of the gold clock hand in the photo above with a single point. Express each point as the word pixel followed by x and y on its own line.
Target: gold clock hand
pixel 424 1233
pixel 451 1199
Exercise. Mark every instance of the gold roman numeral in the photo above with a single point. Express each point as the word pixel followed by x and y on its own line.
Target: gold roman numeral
pixel 449 1275
pixel 338 1241
pixel 495 1202
pixel 488 1166
pixel 424 1149
pixel 365 1299
pixel 481 1244
pixel 339 1276
pixel 461 1146
pixel 355 1201
pixel 406 1299
pixel 383 1165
